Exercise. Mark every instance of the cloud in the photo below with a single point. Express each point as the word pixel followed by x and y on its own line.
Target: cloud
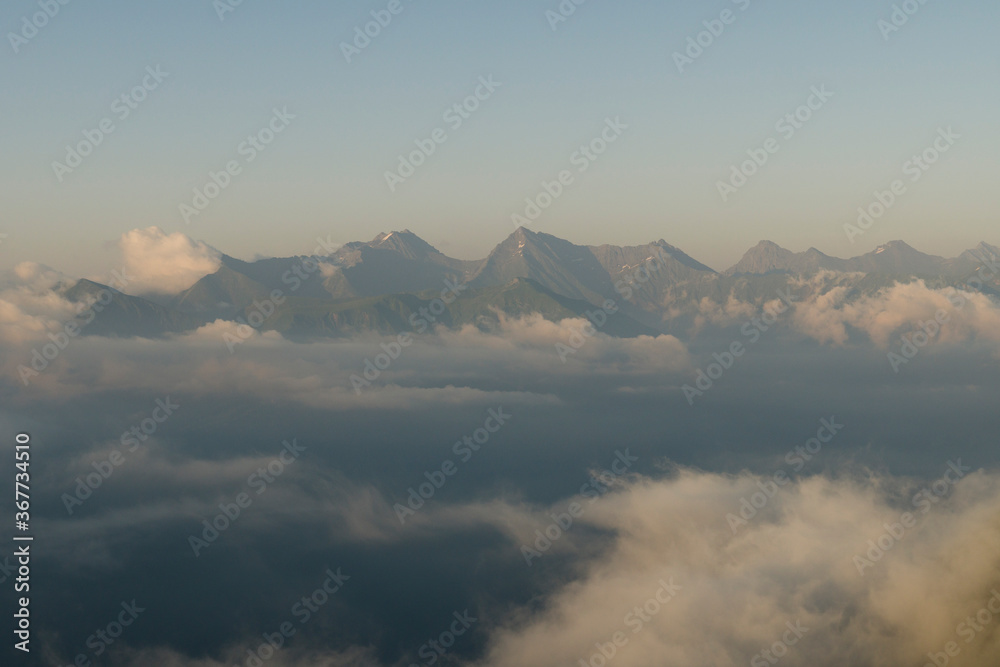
pixel 737 586
pixel 733 311
pixel 157 262
pixel 836 308
pixel 166 657
pixel 449 368
pixel 532 340
pixel 31 305
pixel 792 563
pixel 828 314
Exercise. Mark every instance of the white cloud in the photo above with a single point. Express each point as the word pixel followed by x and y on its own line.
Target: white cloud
pixel 828 315
pixel 794 562
pixel 157 262
pixel 30 304
pixel 791 563
pixel 449 368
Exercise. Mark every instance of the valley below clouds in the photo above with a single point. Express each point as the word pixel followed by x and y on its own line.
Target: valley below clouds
pixel 737 532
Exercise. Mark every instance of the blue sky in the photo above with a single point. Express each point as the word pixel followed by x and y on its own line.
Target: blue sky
pixel 325 174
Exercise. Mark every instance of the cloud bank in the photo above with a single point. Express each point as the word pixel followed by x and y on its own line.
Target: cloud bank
pixel 159 263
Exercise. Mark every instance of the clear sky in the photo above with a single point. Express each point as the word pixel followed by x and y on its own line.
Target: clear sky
pixel 324 175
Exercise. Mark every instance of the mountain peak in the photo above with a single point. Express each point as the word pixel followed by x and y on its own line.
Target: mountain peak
pixel 522 233
pixel 765 257
pixel 523 237
pixel 404 242
pixel 896 246
pixel 989 251
pixel 385 236
pixel 84 288
pixel 982 253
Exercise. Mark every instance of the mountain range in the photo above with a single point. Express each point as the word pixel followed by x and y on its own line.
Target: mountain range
pixel 382 285
pixel 893 258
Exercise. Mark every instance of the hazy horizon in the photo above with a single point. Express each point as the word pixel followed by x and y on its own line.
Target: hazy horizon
pixel 353 119
pixel 249 423
pixel 862 248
